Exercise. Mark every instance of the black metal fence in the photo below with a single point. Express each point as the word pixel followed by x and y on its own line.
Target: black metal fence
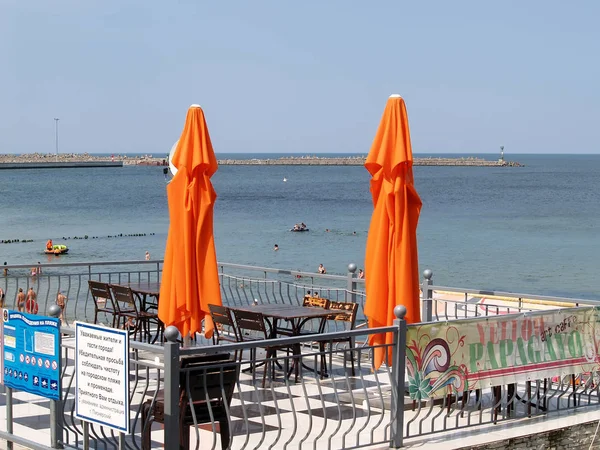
pixel 329 405
pixel 335 400
pixel 239 284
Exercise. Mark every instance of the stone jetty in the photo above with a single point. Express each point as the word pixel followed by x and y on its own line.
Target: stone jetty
pixel 50 160
pixel 360 160
pixel 72 160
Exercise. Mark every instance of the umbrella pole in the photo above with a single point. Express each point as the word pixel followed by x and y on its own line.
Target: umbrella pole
pixel 187 340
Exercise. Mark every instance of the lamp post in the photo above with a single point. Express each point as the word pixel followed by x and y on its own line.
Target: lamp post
pixel 56 134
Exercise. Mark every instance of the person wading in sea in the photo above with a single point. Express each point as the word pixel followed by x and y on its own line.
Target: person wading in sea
pixel 61 301
pixel 31 305
pixel 21 300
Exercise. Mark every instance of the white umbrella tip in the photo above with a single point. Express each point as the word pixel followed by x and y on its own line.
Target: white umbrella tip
pixel 195 106
pixel 395 96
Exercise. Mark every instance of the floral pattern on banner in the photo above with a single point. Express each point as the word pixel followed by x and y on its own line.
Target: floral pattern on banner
pixel 475 353
pixel 428 363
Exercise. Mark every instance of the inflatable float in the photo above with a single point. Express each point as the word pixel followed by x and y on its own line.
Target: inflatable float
pixel 57 249
pixel 299 227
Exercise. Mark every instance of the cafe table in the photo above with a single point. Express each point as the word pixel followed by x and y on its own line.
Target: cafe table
pixel 147 293
pixel 296 316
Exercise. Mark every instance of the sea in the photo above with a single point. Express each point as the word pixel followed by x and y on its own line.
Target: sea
pixel 531 229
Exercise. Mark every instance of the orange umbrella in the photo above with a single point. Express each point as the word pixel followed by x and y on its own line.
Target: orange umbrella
pixel 190 278
pixel 391 261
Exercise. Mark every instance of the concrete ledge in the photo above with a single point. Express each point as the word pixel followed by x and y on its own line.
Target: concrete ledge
pixel 510 434
pixel 60 165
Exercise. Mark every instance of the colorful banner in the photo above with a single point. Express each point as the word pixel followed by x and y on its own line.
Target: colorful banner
pixel 446 357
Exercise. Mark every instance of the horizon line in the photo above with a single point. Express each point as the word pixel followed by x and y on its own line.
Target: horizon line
pixel 298 153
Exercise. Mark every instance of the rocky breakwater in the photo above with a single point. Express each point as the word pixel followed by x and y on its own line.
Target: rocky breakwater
pixel 360 160
pixel 149 160
pixel 53 160
pixel 50 157
pixel 77 157
pixel 470 161
pixel 296 161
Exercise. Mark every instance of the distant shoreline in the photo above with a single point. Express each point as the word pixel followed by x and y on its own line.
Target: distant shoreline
pixel 38 160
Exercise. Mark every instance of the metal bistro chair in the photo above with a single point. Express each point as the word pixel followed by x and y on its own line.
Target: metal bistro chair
pixel 255 322
pixel 308 302
pixel 315 302
pixel 206 384
pixel 225 327
pixel 129 313
pixel 101 294
pixel 347 315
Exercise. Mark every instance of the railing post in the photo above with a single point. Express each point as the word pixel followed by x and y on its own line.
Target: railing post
pixel 171 387
pixel 427 308
pixel 56 406
pixel 351 283
pixel 351 297
pixel 86 435
pixel 398 368
pixel 9 415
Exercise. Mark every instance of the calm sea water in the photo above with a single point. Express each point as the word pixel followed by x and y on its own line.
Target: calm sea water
pixel 530 229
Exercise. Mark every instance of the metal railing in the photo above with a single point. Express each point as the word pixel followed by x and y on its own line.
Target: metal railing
pixel 471 304
pixel 342 410
pixel 146 378
pixel 72 280
pixel 350 406
pixel 240 285
pixel 326 406
pixel 339 410
pixel 502 403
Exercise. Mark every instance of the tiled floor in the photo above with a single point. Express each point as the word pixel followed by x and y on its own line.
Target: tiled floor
pixel 338 412
pixel 279 413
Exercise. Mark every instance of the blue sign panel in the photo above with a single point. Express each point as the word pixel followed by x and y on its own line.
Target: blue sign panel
pixel 31 353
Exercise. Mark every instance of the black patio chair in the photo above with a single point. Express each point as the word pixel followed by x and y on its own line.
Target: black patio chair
pixel 206 385
pixel 103 300
pixel 252 327
pixel 347 315
pixel 225 328
pixel 130 314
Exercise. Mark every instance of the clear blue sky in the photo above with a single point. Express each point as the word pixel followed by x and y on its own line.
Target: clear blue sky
pixel 310 76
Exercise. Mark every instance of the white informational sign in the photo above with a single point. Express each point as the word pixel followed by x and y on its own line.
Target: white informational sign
pixel 102 369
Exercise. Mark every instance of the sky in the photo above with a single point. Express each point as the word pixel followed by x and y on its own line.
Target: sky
pixel 302 77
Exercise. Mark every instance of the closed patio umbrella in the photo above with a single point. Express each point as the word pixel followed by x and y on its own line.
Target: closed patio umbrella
pixel 391 261
pixel 190 278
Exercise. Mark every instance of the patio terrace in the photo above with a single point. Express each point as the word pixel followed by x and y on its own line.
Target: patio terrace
pixel 343 410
